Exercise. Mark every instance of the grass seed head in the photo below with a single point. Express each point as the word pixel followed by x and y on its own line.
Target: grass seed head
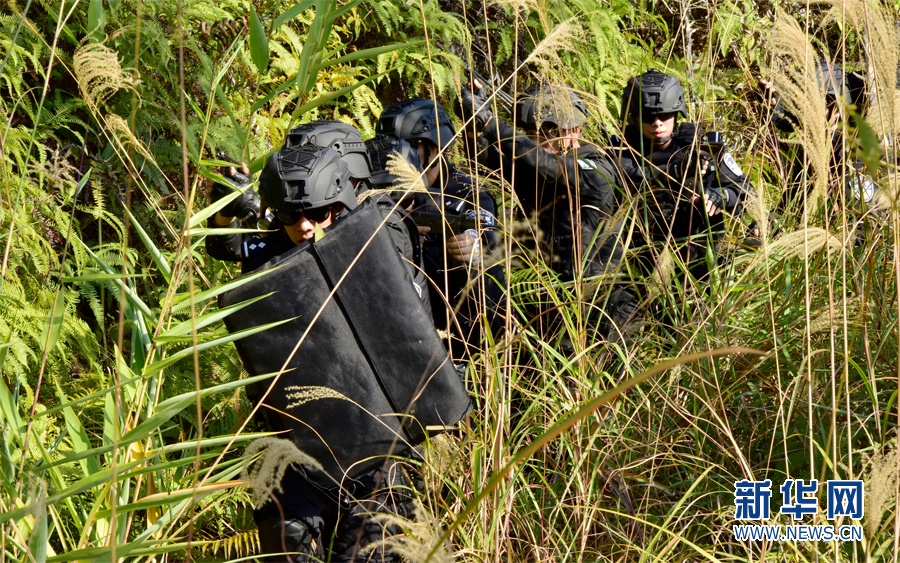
pixel 880 488
pixel 266 472
pixel 100 75
pixel 563 38
pixel 419 536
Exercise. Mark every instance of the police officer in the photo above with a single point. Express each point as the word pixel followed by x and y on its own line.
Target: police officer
pixel 380 150
pixel 840 89
pixel 572 186
pixel 686 179
pixel 554 168
pixel 306 187
pixel 254 250
pixel 428 129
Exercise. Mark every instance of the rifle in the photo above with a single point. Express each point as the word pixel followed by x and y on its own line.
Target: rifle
pixel 505 99
pixel 223 156
pixel 456 224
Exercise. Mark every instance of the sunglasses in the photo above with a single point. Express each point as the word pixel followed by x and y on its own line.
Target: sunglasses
pixel 652 117
pixel 315 215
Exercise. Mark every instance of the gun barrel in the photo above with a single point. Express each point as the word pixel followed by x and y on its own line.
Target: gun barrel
pixel 454 223
pixel 222 155
pixel 504 98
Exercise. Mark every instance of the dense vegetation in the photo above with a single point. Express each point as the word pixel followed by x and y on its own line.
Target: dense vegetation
pixel 121 399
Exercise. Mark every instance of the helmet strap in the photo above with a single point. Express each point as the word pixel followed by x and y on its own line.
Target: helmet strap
pixel 674 134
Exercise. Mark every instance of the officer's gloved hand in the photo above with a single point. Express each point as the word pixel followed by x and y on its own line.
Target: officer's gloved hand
pixel 246 206
pixel 715 199
pixel 474 105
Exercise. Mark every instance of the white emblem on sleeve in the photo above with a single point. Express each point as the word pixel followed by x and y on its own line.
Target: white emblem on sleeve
pixel 587 164
pixel 867 191
pixel 732 165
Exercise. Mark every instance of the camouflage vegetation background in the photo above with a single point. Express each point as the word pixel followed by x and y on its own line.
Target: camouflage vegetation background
pixel 122 405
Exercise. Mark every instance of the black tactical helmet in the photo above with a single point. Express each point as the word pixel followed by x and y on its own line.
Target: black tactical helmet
pixel 831 78
pixel 554 104
pixel 417 119
pixel 651 93
pixel 380 149
pixel 343 138
pixel 306 177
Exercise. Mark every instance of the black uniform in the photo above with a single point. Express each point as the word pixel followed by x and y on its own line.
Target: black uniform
pixel 338 521
pixel 460 195
pixel 668 211
pixel 575 196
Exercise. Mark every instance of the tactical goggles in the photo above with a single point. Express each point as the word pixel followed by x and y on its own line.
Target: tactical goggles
pixel 315 215
pixel 651 117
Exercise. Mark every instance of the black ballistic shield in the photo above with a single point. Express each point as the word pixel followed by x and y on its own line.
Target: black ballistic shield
pixel 372 373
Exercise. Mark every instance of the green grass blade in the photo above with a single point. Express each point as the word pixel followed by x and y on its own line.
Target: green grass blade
pixel 53 323
pixel 259 43
pixel 37 542
pixel 315 43
pixel 101 277
pixel 183 300
pixel 80 440
pixel 211 344
pixel 129 294
pixel 214 208
pixel 325 98
pixel 368 53
pixel 184 329
pixel 292 13
pixel 343 10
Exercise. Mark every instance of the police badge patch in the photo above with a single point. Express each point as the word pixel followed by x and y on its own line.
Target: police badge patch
pixel 732 165
pixel 866 192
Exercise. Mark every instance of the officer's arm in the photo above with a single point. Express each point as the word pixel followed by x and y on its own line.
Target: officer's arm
pixel 510 143
pixel 405 241
pixel 728 178
pixel 224 247
pixel 600 182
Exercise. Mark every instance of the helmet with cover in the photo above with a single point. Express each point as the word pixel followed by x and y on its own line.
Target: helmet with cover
pixel 652 93
pixel 831 78
pixel 417 119
pixel 343 138
pixel 306 177
pixel 555 105
pixel 381 147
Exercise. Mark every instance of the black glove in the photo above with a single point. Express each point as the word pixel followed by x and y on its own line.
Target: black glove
pixel 468 104
pixel 718 196
pixel 245 207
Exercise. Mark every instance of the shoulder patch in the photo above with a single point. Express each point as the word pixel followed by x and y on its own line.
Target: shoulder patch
pixel 732 165
pixel 587 164
pixel 253 247
pixel 864 188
